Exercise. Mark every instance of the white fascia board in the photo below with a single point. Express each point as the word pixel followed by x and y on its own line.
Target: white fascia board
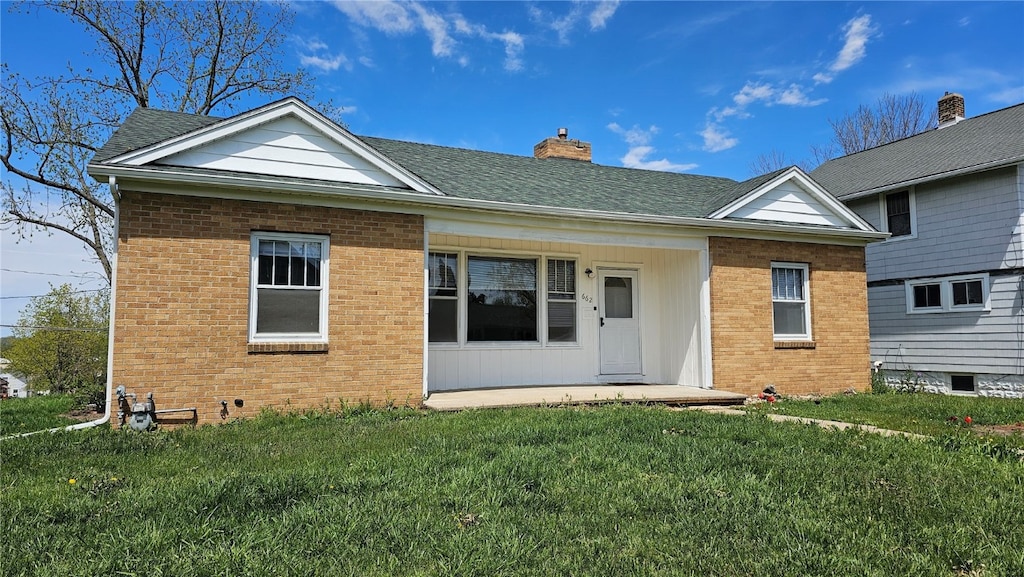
pixel 289 106
pixel 256 187
pixel 995 164
pixel 807 184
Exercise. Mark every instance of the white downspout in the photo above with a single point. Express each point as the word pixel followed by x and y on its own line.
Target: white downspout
pixel 426 309
pixel 110 332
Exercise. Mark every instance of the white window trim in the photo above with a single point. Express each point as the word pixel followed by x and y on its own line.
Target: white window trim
pixel 884 216
pixel 946 294
pixel 806 336
pixel 462 322
pixel 325 244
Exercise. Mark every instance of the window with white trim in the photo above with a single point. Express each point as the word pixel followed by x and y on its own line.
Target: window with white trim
pixel 487 298
pixel 899 214
pixel 443 297
pixel 288 287
pixel 791 304
pixel 962 293
pixel 561 300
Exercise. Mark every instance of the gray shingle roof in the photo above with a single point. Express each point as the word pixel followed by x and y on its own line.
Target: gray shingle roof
pixel 974 142
pixel 479 175
pixel 146 126
pixel 553 182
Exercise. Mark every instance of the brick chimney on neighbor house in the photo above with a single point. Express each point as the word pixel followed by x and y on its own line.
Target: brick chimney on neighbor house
pixel 951 109
pixel 562 147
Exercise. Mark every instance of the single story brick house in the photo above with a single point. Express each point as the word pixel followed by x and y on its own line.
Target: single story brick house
pixel 277 258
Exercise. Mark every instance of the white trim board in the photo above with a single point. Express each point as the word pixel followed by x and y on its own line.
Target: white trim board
pixel 188 147
pixel 793 197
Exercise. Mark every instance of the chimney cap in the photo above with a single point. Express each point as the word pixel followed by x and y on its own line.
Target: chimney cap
pixel 563 133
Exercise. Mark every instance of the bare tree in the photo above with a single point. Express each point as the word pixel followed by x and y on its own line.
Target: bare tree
pixel 196 57
pixel 773 160
pixel 893 117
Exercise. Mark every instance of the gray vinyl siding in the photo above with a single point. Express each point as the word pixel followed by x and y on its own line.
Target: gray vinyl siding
pixel 964 224
pixel 958 342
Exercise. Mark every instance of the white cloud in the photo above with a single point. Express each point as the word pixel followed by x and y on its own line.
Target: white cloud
pixel 857 32
pixel 565 24
pixel 315 53
pixel 636 156
pixel 1012 95
pixel 387 16
pixel 794 96
pixel 635 136
pixel 435 26
pixel 366 61
pixel 965 21
pixel 752 92
pixel 604 11
pixel 443 30
pixel 514 46
pixel 639 140
pixel 716 139
pixel 328 64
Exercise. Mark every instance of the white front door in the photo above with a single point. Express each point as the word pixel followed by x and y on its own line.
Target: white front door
pixel 620 322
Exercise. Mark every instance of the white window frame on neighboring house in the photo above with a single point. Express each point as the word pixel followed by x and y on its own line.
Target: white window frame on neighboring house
pixel 883 206
pixel 949 289
pixel 788 295
pixel 307 284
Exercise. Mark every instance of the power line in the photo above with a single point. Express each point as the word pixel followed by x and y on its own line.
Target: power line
pixel 62 329
pixel 37 296
pixel 89 276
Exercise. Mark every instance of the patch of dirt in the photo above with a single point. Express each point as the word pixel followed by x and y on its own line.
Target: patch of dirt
pixel 82 414
pixel 1003 430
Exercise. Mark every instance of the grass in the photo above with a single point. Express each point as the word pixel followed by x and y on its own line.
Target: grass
pixel 34 413
pixel 616 490
pixel 923 413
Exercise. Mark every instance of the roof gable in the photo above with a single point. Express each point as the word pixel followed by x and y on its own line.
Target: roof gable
pixel 790 196
pixel 284 139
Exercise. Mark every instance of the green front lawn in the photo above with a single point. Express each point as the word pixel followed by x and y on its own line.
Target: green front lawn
pixel 616 490
pixel 923 413
pixel 35 414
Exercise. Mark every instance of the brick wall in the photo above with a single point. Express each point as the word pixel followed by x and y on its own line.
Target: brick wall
pixel 745 355
pixel 181 324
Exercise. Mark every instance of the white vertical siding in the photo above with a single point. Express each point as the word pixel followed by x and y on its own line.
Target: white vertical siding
pixel 670 316
pixel 284 147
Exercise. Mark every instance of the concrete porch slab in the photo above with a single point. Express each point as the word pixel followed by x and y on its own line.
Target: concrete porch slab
pixel 578 395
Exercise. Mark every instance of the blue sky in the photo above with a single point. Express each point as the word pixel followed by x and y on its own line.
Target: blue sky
pixel 686 86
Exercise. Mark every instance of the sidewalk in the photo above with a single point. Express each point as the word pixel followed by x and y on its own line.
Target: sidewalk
pixel 824 424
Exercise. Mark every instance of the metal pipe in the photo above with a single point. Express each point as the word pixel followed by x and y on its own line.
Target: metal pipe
pixel 110 331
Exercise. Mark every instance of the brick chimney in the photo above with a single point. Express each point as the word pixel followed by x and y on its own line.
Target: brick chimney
pixel 951 109
pixel 562 147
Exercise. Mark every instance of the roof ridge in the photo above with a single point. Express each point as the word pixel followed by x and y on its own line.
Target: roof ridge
pixel 929 131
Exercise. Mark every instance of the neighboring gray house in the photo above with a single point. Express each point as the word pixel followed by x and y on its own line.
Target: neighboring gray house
pixel 945 291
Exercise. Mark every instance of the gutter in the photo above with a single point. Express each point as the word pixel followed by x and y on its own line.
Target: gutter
pixel 255 182
pixel 110 336
pixel 937 176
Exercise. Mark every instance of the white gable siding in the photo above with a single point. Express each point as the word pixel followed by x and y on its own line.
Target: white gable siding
pixel 789 203
pixel 284 147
